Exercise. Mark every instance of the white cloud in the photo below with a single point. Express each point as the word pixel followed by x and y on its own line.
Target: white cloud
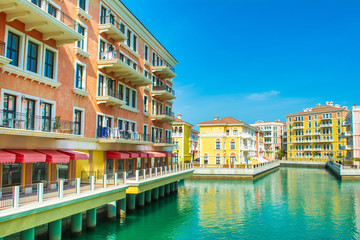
pixel 262 96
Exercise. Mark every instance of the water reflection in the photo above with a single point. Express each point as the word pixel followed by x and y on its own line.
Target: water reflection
pixel 291 203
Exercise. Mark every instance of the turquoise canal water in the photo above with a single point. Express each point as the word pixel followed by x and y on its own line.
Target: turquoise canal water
pixel 291 203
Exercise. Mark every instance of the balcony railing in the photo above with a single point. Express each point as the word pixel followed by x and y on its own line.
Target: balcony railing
pixel 110 55
pixel 56 13
pixel 111 19
pixel 166 88
pixel 162 140
pixel 23 121
pixel 163 63
pixel 116 133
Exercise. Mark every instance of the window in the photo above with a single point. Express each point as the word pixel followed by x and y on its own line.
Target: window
pixel 146 52
pixel 49 64
pixel 127 96
pixel 100 85
pixel 111 87
pixel 82 4
pixel 218 159
pixel 232 145
pixel 103 15
pixel 217 145
pixel 13 48
pixel 32 57
pixel 134 43
pixel 206 159
pixel 133 98
pixel 52 10
pixel 100 125
pixel 128 40
pixel 146 107
pixel 80 77
pixel 145 133
pixel 77 122
pixel 101 47
pixel 9 110
pixel 46 117
pixel 81 29
pixel 121 91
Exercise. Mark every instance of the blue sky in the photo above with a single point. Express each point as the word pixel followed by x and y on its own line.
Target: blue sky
pixel 257 59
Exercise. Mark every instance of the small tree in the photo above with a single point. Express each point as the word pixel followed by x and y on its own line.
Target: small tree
pixel 281 153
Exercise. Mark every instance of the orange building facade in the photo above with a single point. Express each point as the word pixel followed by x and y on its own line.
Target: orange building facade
pixel 85 78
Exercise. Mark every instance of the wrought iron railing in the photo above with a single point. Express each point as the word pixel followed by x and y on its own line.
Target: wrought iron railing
pixel 111 19
pixel 27 121
pixel 167 88
pixel 116 133
pixel 109 55
pixel 163 63
pixel 55 12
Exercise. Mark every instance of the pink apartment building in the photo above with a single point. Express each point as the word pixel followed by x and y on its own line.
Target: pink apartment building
pixel 273 136
pixel 352 135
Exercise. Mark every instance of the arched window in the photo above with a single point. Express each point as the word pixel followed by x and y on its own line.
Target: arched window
pixel 206 158
pixel 218 158
pixel 217 144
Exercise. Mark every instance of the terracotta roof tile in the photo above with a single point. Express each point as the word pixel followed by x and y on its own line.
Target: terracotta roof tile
pixel 321 108
pixel 178 120
pixel 226 120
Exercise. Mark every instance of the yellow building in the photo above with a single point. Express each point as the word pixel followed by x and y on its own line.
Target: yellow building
pixel 313 134
pixel 185 139
pixel 226 141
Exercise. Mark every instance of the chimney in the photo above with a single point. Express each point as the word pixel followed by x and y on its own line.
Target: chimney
pixel 179 116
pixel 216 118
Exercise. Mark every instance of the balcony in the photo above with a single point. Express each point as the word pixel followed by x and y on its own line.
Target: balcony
pixel 163 69
pixel 112 28
pixel 107 134
pixel 44 17
pixel 346 147
pixel 326 125
pixel 163 117
pixel 298 127
pixel 3 60
pixel 346 123
pixel 346 134
pixel 111 98
pixel 162 142
pixel 123 67
pixel 177 134
pixel 16 123
pixel 163 93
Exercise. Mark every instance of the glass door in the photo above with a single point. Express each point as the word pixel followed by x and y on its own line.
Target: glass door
pixel 29 114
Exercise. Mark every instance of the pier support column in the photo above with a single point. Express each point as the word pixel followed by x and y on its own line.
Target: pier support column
pixel 162 191
pixel 91 219
pixel 141 199
pixel 176 184
pixel 28 234
pixel 155 194
pixel 76 224
pixel 130 201
pixel 172 189
pixel 122 209
pixel 148 197
pixel 111 210
pixel 167 187
pixel 55 229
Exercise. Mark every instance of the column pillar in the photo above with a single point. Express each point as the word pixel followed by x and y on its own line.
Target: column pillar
pixel 172 189
pixel 91 219
pixel 111 210
pixel 176 186
pixel 76 224
pixel 162 191
pixel 28 234
pixel 167 187
pixel 55 230
pixel 122 208
pixel 155 194
pixel 141 199
pixel 148 197
pixel 130 202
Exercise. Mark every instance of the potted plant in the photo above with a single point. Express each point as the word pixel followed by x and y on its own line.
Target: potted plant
pixel 57 124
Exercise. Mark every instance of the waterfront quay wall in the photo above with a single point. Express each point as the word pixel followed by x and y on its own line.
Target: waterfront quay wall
pixel 249 173
pixel 344 172
pixel 309 164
